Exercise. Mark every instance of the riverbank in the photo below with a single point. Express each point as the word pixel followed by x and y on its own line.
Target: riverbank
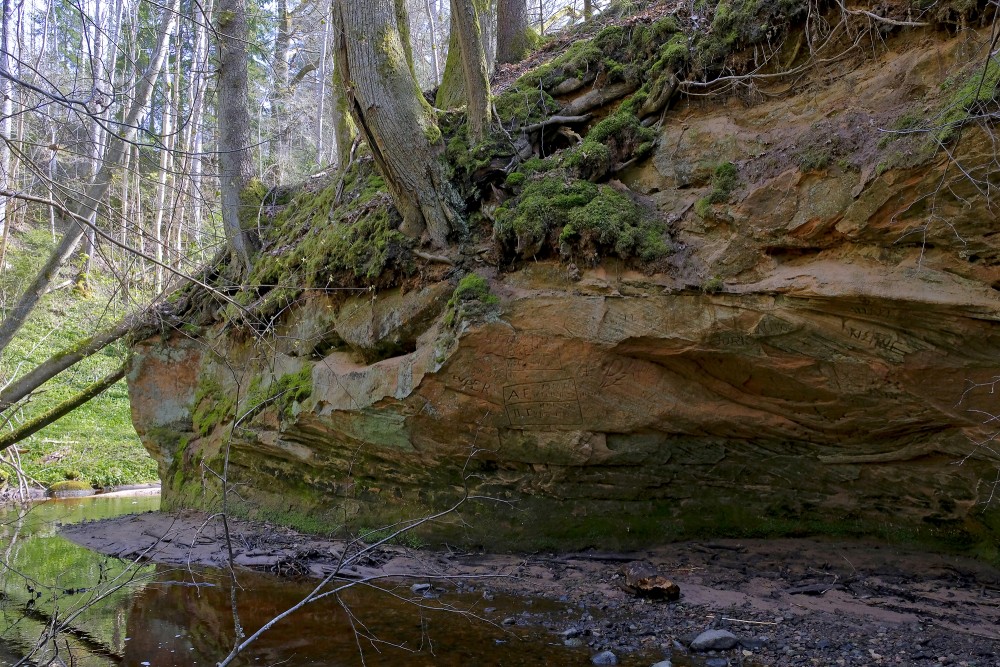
pixel 787 602
pixel 11 495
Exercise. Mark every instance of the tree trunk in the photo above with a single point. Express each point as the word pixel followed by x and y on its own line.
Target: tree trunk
pixel 344 130
pixel 6 116
pixel 97 69
pixel 321 96
pixel 451 93
pixel 278 147
pixel 198 85
pixel 235 169
pixel 392 115
pixel 165 168
pixel 513 36
pixel 62 360
pixel 477 81
pixel 61 410
pixel 86 208
pixel 435 65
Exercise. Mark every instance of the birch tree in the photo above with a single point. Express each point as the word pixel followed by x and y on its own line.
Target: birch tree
pixel 84 209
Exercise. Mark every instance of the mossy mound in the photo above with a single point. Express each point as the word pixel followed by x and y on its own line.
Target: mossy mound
pixel 339 234
pixel 579 220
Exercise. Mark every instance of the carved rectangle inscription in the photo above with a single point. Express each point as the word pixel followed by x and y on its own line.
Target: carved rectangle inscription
pixel 553 402
pixel 530 392
pixel 539 414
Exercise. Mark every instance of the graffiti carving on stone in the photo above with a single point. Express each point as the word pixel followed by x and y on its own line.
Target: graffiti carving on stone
pixel 550 402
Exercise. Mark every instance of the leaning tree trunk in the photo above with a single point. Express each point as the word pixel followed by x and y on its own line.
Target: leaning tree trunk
pixel 513 33
pixel 477 81
pixel 235 167
pixel 86 208
pixel 391 114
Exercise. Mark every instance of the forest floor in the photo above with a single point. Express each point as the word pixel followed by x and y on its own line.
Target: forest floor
pixel 785 601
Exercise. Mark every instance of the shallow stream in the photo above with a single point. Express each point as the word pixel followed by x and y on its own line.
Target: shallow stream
pixel 116 613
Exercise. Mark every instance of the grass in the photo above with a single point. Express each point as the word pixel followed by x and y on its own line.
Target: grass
pixel 96 444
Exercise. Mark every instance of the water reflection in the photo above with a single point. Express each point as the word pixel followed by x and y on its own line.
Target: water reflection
pixel 180 624
pixel 117 613
pixel 45 577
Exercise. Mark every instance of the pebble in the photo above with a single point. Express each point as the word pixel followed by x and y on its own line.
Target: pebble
pixel 716 662
pixel 417 588
pixel 662 663
pixel 605 658
pixel 714 640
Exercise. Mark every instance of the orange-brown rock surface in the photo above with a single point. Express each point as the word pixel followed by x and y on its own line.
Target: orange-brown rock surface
pixel 817 358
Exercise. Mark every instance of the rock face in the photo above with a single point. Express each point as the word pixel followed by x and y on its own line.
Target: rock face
pixel 818 359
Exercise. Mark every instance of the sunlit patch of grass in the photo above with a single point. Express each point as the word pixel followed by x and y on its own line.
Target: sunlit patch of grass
pixel 96 443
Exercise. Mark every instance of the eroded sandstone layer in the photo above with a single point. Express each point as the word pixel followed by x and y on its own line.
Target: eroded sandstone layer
pixel 817 357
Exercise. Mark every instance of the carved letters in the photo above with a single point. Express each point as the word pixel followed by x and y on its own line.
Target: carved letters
pixel 552 402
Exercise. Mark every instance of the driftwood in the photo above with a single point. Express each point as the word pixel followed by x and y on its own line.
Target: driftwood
pixel 644 580
pixel 572 84
pixel 659 97
pixel 813 589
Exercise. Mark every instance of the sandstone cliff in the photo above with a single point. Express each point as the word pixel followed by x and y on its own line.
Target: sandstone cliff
pixel 816 352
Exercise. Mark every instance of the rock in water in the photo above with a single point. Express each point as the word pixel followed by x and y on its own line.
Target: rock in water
pixel 644 580
pixel 714 640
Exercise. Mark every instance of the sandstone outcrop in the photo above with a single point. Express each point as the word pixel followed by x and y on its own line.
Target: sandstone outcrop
pixel 818 357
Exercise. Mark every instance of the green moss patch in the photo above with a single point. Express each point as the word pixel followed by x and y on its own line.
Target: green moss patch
pixel 318 240
pixel 471 299
pixel 725 179
pixel 978 93
pixel 580 219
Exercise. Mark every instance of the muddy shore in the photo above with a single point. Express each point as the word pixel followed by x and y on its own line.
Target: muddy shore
pixel 786 602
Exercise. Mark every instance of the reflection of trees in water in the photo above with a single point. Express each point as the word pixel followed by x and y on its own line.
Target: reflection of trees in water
pixel 60 601
pixel 318 634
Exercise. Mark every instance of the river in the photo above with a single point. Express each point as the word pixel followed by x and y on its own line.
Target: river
pixel 116 613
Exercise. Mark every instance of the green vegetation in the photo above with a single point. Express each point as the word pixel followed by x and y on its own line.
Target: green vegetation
pixel 713 285
pixel 725 179
pixel 317 240
pixel 281 393
pixel 95 444
pixel 618 137
pixel 979 89
pixel 472 299
pixel 213 405
pixel 586 218
pixel 813 159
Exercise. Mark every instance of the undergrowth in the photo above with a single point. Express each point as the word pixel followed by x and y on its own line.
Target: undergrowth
pixel 96 444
